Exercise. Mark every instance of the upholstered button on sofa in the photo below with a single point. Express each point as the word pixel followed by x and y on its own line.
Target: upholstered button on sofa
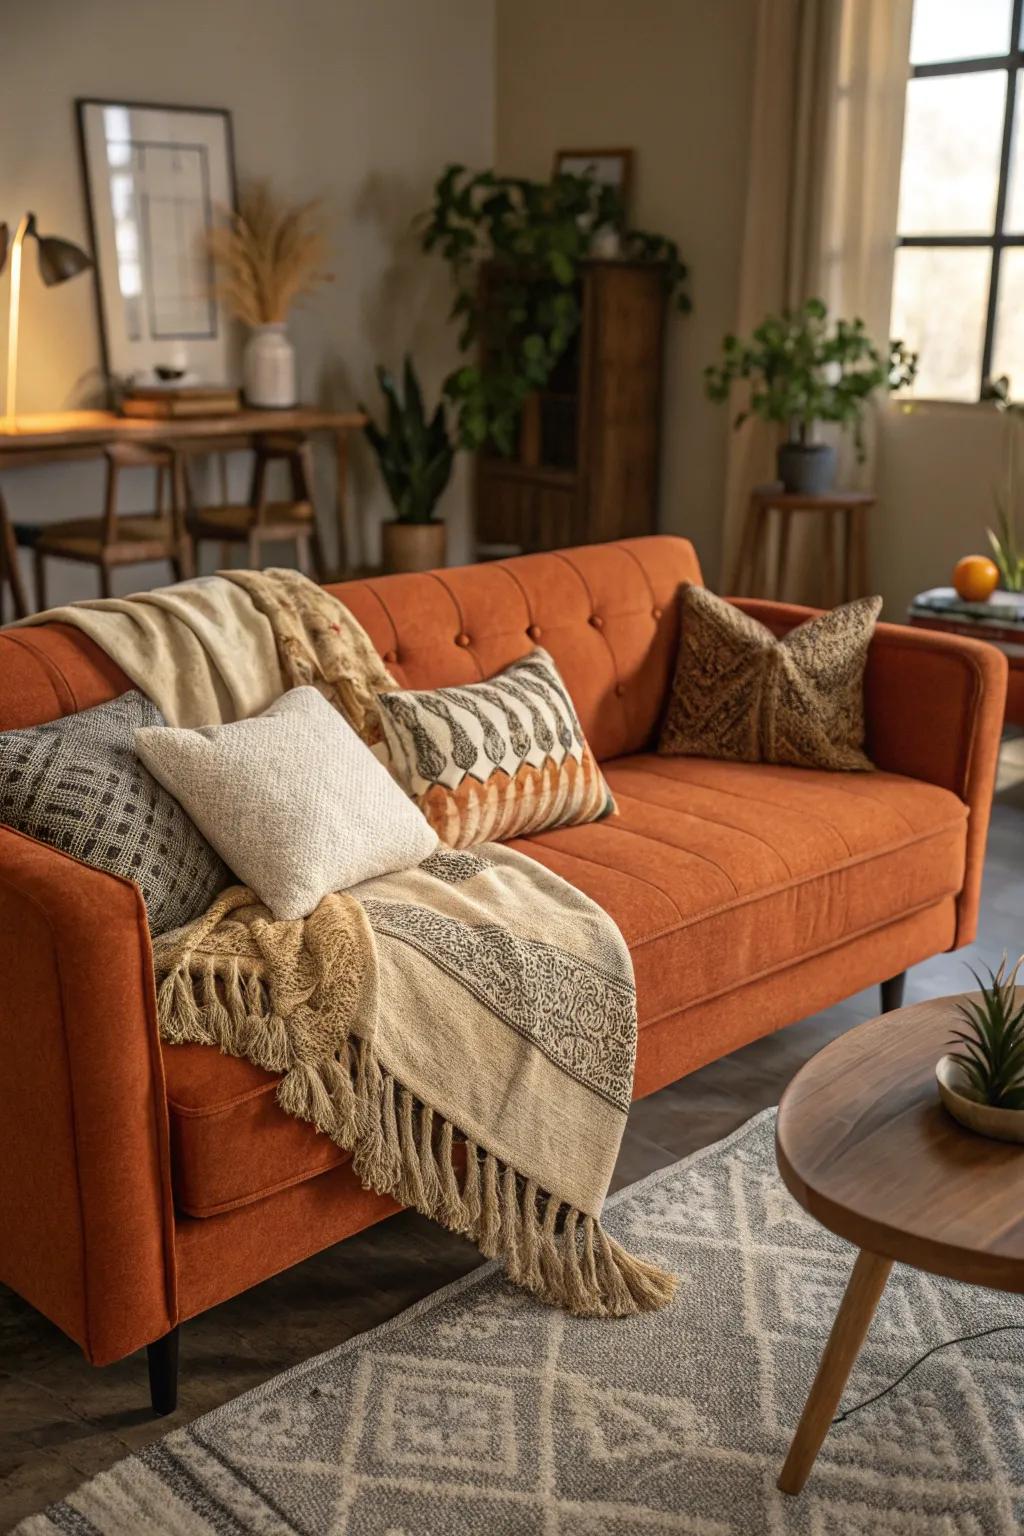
pixel 141 1183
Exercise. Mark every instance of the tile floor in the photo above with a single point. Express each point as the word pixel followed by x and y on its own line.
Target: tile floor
pixel 62 1421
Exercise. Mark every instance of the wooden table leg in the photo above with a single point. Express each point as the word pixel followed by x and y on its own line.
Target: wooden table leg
pixel 855 554
pixel 9 567
pixel 865 1286
pixel 341 502
pixel 759 557
pixel 848 524
pixel 742 566
pixel 782 555
pixel 829 582
pixel 185 555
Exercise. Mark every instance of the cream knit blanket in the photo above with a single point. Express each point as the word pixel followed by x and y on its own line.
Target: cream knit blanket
pixel 221 648
pixel 467 1028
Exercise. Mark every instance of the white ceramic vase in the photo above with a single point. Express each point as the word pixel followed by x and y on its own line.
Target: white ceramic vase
pixel 606 243
pixel 268 368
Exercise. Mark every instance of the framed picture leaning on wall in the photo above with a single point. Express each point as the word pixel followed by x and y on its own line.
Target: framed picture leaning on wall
pixel 612 167
pixel 156 180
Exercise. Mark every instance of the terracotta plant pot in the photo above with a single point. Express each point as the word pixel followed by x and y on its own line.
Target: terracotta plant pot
pixel 413 546
pixel 956 1094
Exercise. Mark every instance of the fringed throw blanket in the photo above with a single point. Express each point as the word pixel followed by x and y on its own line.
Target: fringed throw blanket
pixel 221 648
pixel 320 644
pixel 467 1028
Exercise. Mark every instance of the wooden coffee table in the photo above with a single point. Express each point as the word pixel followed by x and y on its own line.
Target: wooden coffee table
pixel 865 1146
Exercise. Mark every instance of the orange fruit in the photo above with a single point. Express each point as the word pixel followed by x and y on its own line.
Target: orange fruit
pixel 975 578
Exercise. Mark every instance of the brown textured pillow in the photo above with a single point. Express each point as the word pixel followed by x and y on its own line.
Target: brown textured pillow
pixel 743 694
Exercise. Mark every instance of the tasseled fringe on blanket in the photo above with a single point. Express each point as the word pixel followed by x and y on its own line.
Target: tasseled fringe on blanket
pixel 404 1149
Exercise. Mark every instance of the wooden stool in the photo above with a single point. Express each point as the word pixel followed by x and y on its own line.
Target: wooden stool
pixel 114 539
pixel 258 521
pixel 842 580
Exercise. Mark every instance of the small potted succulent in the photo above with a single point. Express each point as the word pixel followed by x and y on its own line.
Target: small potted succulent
pixel 800 369
pixel 415 457
pixel 981 1083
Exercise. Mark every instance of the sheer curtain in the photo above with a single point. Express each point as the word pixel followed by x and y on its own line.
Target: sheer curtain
pixel 823 186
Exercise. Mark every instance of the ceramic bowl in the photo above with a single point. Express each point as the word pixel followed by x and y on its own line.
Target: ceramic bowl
pixel 957 1095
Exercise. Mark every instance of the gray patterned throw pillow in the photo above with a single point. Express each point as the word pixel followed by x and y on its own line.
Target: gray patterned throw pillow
pixel 76 783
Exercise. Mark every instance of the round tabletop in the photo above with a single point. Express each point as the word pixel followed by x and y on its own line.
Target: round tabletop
pixel 864 1145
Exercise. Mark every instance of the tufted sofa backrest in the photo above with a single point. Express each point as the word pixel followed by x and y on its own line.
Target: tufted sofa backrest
pixel 606 612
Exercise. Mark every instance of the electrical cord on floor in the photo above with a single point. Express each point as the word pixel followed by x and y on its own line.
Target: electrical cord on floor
pixel 963 1338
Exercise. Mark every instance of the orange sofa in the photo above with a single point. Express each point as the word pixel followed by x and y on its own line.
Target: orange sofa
pixel 141 1183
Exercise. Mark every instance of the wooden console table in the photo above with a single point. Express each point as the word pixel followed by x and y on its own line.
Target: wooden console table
pixel 84 434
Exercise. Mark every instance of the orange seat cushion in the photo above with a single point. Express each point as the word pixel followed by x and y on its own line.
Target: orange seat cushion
pixel 716 873
pixel 720 873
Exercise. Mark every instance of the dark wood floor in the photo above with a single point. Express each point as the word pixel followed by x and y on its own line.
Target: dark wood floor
pixel 62 1421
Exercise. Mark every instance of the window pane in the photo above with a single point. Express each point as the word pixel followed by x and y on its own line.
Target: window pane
pixel 1008 350
pixel 1013 222
pixel 952 136
pixel 959 29
pixel 939 300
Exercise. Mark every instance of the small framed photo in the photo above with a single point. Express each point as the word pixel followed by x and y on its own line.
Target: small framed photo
pixel 157 179
pixel 611 167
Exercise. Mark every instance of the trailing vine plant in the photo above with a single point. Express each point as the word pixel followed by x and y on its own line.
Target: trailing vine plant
pixel 522 318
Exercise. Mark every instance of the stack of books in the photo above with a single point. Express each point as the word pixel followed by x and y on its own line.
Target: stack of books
pixel 1000 619
pixel 164 402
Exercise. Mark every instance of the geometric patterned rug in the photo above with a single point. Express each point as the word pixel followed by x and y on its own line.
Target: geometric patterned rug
pixel 482 1411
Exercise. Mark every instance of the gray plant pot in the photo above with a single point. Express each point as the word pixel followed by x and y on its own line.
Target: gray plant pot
pixel 807 469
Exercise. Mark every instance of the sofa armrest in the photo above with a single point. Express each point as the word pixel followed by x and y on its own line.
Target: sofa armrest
pixel 86 1221
pixel 934 707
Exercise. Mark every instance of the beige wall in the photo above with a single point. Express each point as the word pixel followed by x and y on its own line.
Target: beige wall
pixel 364 102
pixel 670 79
pixel 939 467
pixel 361 101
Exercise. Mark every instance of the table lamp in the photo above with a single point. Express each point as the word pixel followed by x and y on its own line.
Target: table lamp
pixel 58 260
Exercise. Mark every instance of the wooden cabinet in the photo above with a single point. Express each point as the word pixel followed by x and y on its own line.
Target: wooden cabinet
pixel 587 467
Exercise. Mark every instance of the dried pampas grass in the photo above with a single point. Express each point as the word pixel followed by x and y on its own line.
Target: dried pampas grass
pixel 269 254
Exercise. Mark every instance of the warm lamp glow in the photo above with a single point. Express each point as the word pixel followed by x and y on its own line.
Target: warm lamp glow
pixel 58 260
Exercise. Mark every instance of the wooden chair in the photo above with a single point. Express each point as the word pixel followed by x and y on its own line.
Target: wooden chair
pixel 117 539
pixel 259 521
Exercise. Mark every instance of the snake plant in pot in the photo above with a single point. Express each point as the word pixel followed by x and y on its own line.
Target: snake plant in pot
pixel 415 457
pixel 981 1082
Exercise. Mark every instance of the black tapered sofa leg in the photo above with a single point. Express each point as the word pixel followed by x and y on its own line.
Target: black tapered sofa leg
pixel 162 1356
pixel 892 992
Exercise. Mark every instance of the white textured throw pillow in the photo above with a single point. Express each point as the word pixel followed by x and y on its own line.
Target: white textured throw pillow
pixel 295 804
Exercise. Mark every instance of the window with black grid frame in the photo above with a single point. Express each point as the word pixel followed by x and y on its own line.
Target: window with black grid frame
pixel 958 290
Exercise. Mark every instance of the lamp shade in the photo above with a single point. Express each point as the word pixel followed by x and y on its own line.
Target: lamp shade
pixel 58 259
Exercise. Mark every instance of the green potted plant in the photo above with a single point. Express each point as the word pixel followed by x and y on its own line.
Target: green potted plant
pixel 533 237
pixel 981 1083
pixel 415 457
pixel 800 370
